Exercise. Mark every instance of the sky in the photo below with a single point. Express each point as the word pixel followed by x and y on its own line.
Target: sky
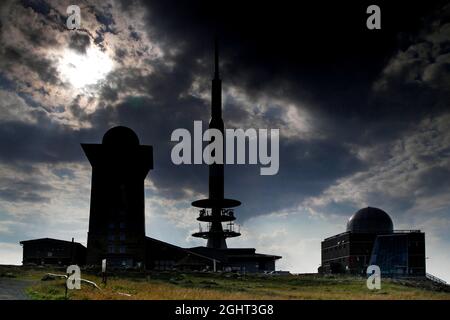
pixel 364 116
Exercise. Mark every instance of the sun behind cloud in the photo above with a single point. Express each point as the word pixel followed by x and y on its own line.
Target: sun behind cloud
pixel 81 70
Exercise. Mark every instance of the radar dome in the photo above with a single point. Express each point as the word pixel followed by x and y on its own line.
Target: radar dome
pixel 370 220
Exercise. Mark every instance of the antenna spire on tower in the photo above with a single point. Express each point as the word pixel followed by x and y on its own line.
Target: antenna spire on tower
pixel 216 57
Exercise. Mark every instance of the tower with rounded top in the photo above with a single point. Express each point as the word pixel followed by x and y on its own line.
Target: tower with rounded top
pixel 117 219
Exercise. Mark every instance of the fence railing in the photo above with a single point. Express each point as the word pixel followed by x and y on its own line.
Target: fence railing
pixel 229 227
pixel 223 212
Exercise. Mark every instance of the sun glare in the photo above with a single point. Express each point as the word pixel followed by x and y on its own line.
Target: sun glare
pixel 81 70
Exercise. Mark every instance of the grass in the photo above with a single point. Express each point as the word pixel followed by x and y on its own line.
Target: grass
pixel 198 286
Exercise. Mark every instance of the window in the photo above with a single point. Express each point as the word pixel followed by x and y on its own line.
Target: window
pixel 111 237
pixel 111 249
pixel 111 225
pixel 122 249
pixel 122 236
pixel 122 225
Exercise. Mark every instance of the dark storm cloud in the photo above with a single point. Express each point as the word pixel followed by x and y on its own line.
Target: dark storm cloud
pixel 40 6
pixel 79 42
pixel 43 67
pixel 320 54
pixel 306 169
pixel 324 62
pixel 45 143
pixel 24 191
pixel 433 181
pixel 263 64
pixel 327 65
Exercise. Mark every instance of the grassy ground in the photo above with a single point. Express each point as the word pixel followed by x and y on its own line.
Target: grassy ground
pixel 171 285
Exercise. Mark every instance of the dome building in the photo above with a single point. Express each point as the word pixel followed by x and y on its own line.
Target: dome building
pixel 370 239
pixel 370 220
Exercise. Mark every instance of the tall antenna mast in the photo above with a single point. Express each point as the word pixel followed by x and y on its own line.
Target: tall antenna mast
pixel 216 57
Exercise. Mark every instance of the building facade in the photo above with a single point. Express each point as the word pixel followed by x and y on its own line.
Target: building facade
pixel 370 239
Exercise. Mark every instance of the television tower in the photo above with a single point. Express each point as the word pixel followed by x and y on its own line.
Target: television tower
pixel 216 209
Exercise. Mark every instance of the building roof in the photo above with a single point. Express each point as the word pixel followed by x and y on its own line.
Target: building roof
pixel 49 240
pixel 187 251
pixel 370 220
pixel 224 254
pixel 394 232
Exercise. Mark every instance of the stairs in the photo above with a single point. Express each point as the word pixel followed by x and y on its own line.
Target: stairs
pixel 435 279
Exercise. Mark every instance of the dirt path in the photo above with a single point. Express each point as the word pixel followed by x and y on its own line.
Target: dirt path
pixel 14 289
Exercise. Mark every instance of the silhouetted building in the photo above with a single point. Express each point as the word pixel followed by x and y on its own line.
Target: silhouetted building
pixel 117 218
pixel 239 259
pixel 52 251
pixel 165 256
pixel 371 239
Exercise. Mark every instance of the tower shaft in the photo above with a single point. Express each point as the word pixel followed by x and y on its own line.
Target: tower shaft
pixel 216 171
